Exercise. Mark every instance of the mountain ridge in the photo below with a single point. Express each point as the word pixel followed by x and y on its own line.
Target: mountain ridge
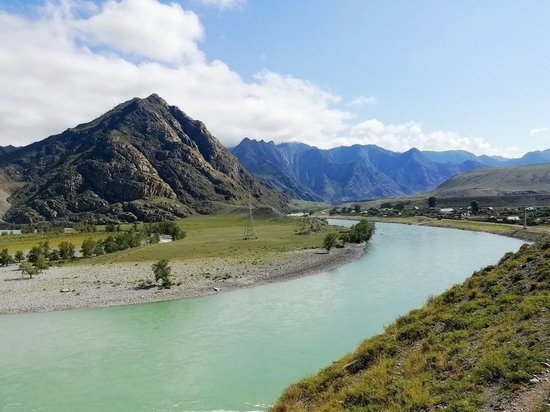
pixel 361 172
pixel 142 160
pixel 344 173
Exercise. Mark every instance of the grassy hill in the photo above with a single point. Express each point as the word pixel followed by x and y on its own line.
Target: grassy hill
pixel 498 181
pixel 475 347
pixel 502 186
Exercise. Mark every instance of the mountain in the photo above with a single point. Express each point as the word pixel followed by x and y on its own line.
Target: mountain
pixel 500 181
pixel 8 149
pixel 266 161
pixel 531 158
pixel 459 156
pixel 344 173
pixel 143 160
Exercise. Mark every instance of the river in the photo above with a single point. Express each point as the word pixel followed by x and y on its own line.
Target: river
pixel 234 351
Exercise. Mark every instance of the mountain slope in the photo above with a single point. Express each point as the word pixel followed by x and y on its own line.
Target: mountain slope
pixel 475 347
pixel 533 179
pixel 266 161
pixel 344 173
pixel 142 160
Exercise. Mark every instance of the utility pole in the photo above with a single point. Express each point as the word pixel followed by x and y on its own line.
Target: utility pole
pixel 249 225
pixel 524 218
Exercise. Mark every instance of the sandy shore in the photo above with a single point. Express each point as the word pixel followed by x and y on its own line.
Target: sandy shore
pixel 93 286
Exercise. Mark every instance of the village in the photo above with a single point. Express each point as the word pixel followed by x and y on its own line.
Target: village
pixel 526 216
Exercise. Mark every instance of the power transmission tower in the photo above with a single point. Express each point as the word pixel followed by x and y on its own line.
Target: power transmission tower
pixel 249 225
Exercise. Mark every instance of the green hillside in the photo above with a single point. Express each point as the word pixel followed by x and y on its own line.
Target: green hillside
pixel 476 347
pixel 500 181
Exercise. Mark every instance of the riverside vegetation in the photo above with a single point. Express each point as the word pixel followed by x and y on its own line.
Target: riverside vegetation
pixel 213 257
pixel 479 346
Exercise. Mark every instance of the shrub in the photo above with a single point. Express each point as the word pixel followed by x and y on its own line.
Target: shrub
pixel 163 273
pixel 330 241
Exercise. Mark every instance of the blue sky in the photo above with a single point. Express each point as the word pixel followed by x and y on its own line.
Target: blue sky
pixel 433 74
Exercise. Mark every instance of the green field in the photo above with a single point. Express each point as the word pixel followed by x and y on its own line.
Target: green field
pixel 222 236
pixel 26 241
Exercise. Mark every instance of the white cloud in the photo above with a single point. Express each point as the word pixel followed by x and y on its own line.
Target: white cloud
pixel 78 59
pixel 541 131
pixel 223 4
pixel 363 101
pixel 145 28
pixel 401 137
pixel 53 76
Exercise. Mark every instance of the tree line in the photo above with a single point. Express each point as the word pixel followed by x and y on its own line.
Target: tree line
pixel 40 257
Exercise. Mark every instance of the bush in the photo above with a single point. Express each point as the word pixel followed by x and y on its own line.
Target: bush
pixel 88 247
pixel 5 258
pixel 361 232
pixel 163 273
pixel 66 250
pixel 330 241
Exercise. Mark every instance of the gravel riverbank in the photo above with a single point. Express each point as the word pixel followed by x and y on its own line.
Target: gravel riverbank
pixel 102 285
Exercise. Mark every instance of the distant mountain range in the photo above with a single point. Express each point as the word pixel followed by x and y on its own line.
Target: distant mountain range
pixel 360 172
pixel 143 160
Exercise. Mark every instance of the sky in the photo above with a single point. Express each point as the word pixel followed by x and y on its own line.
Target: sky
pixel 436 75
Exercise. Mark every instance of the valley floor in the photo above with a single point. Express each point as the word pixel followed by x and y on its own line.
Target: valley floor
pixel 113 284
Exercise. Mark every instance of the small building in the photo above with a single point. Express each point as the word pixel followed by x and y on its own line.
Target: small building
pixel 446 211
pixel 513 219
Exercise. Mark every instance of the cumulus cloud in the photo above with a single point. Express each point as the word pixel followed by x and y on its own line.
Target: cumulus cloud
pixel 363 101
pixel 78 58
pixel 401 137
pixel 66 67
pixel 145 28
pixel 223 4
pixel 538 132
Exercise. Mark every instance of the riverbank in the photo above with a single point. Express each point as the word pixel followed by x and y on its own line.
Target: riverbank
pixel 481 345
pixel 531 234
pixel 115 284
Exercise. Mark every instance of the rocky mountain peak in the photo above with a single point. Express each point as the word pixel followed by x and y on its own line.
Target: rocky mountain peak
pixel 142 160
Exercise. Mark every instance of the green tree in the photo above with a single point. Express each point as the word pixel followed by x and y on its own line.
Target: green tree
pixel 44 248
pixel 28 269
pixel 66 250
pixel 330 240
pixel 54 255
pixel 163 273
pixel 98 249
pixel 19 256
pixel 432 201
pixel 475 207
pixel 357 208
pixel 88 247
pixel 361 232
pixel 5 258
pixel 33 253
pixel 41 263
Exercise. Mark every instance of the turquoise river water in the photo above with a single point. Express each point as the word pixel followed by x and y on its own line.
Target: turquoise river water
pixel 234 351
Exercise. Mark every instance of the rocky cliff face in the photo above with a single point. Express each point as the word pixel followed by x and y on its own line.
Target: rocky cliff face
pixel 143 160
pixel 344 173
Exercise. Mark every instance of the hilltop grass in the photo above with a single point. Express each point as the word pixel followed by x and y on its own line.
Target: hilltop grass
pixel 478 343
pixel 221 236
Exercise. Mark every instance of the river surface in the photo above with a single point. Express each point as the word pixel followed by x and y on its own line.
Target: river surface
pixel 234 351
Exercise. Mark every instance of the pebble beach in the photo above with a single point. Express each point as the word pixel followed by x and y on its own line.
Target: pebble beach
pixel 112 284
